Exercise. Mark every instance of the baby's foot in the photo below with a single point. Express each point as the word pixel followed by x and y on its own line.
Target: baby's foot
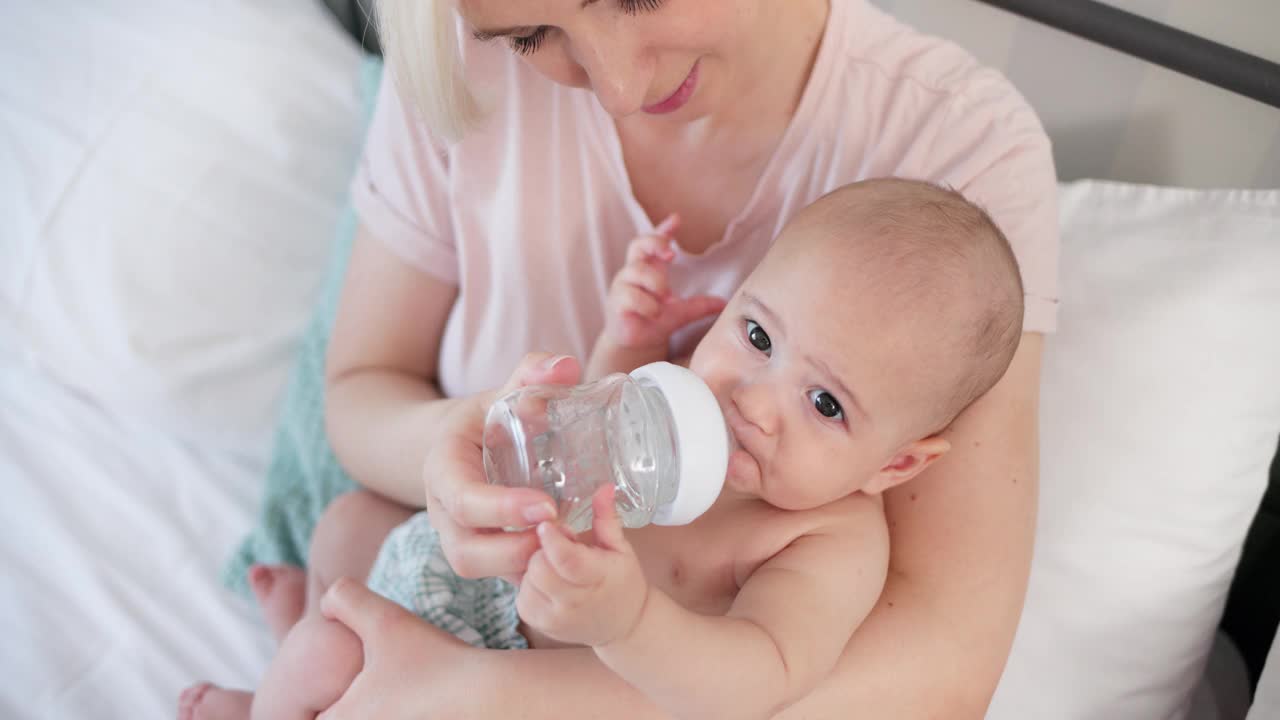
pixel 210 702
pixel 282 593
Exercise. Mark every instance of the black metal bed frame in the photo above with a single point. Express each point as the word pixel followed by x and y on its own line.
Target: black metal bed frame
pixel 1177 50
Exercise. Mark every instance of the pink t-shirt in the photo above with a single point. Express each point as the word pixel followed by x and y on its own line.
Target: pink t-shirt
pixel 531 214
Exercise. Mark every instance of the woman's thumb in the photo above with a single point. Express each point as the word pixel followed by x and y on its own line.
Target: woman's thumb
pixel 359 608
pixel 544 369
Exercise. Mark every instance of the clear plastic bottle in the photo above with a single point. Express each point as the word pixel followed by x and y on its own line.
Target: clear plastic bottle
pixel 657 435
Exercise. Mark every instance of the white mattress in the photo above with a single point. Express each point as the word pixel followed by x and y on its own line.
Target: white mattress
pixel 112 536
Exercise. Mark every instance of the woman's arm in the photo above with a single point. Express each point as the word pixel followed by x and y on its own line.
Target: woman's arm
pixel 385 413
pixel 961 537
pixel 381 400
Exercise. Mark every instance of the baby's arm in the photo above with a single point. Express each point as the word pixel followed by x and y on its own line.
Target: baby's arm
pixel 641 312
pixel 782 636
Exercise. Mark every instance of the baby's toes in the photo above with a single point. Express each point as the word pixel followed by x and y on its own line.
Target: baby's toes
pixel 189 698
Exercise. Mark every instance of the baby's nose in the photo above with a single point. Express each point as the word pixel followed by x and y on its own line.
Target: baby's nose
pixel 755 403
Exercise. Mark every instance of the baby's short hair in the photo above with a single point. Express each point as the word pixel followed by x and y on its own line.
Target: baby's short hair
pixel 936 255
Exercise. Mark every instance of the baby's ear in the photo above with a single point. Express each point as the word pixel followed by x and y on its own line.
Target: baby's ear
pixel 907 463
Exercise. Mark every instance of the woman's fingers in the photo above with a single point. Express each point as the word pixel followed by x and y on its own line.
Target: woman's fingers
pixel 363 611
pixel 483 506
pixel 542 368
pixel 474 554
pixel 457 487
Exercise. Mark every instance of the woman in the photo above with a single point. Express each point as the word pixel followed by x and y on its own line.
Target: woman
pixel 577 126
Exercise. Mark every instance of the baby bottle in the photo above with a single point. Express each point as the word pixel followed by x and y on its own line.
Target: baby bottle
pixel 657 435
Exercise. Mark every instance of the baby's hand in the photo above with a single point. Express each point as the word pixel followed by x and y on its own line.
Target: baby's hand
pixel 642 312
pixel 584 594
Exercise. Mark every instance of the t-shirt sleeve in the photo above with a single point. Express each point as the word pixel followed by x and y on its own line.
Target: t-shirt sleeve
pixel 997 154
pixel 401 191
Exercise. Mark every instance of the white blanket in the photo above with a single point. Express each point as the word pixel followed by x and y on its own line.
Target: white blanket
pixel 113 534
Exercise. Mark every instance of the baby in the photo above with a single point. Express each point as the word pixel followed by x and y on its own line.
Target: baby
pixel 880 313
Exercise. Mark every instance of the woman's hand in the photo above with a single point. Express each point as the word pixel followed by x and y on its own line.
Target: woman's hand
pixel 408 663
pixel 466 511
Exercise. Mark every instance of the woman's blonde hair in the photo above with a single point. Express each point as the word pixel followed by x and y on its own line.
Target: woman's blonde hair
pixel 420 40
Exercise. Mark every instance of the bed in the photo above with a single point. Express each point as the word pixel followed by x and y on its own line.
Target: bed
pixel 170 177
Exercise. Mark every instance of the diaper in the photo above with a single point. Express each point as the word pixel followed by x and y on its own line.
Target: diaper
pixel 411 570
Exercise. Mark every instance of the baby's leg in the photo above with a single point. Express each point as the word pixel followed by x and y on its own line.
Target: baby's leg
pixel 316 664
pixel 347 539
pixel 210 702
pixel 281 591
pixel 344 544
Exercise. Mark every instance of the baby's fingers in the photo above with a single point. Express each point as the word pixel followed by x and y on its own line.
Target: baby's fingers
pixel 648 248
pixel 681 312
pixel 646 276
pixel 607 526
pixel 637 301
pixel 576 563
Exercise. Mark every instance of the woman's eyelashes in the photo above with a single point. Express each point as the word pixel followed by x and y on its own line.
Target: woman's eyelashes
pixel 529 44
pixel 635 7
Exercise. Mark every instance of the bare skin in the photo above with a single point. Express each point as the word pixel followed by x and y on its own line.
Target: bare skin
pixel 345 544
pixel 935 644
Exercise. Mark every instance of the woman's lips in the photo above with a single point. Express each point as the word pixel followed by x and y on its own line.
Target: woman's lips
pixel 679 98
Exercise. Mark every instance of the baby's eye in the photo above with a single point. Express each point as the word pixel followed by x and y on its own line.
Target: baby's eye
pixel 826 405
pixel 758 337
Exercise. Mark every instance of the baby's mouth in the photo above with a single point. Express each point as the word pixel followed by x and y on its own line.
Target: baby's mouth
pixel 744 469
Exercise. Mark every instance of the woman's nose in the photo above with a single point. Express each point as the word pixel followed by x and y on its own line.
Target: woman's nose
pixel 756 404
pixel 619 75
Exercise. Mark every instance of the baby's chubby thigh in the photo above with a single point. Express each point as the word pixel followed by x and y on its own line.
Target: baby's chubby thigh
pixel 347 539
pixel 316 663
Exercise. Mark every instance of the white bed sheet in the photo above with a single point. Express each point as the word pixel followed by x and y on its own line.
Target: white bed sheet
pixel 113 533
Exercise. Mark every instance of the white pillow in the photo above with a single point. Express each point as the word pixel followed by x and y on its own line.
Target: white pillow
pixel 1160 415
pixel 170 178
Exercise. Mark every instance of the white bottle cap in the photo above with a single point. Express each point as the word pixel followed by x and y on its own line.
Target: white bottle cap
pixel 702 442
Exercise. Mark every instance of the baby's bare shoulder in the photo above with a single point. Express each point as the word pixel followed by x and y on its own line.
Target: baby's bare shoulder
pixel 852 515
pixel 856 520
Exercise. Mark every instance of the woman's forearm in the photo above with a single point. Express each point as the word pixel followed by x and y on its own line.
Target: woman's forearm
pixel 381 406
pixel 961 537
pixel 570 684
pixel 378 423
